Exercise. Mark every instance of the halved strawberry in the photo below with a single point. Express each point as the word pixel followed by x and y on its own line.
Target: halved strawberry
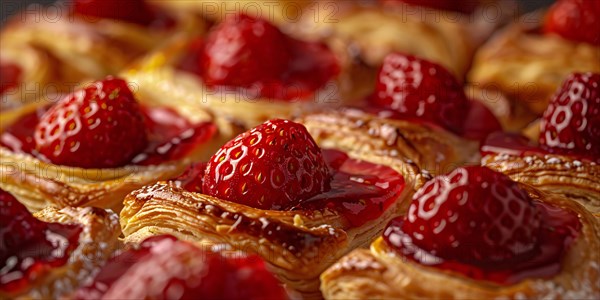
pixel 98 126
pixel 273 166
pixel 421 89
pixel 571 123
pixel 576 20
pixel 133 11
pixel 243 50
pixel 474 215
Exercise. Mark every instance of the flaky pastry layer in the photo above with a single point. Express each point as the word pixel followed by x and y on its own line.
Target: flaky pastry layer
pixel 97 241
pixel 578 180
pixel 80 48
pixel 298 245
pixel 381 273
pixel 37 183
pixel 433 149
pixel 528 66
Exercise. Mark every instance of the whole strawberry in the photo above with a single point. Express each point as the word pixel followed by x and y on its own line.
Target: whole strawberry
pixel 242 51
pixel 473 215
pixel 571 123
pixel 421 89
pixel 273 166
pixel 576 20
pixel 98 126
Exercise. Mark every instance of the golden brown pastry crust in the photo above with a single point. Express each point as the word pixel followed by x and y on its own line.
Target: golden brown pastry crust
pixel 578 180
pixel 74 49
pixel 298 245
pixel 528 67
pixel 368 32
pixel 161 68
pixel 381 273
pixel 38 183
pixel 433 149
pixel 97 241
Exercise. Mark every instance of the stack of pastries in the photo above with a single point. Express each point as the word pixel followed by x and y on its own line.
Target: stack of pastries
pixel 392 149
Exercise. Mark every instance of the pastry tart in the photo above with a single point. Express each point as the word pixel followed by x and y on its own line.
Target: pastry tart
pixel 272 191
pixel 248 76
pixel 475 234
pixel 86 40
pixel 162 267
pixel 48 254
pixel 522 66
pixel 566 160
pixel 97 144
pixel 418 111
pixel 364 32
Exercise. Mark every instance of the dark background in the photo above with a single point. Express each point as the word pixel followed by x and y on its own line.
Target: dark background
pixel 10 7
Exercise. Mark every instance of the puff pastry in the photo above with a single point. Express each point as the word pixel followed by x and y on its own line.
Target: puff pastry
pixel 96 243
pixel 38 183
pixel 433 149
pixel 172 67
pixel 382 273
pixel 297 244
pixel 567 176
pixel 367 33
pixel 70 49
pixel 527 68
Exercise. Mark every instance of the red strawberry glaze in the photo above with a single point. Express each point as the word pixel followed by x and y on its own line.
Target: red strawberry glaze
pixel 518 145
pixel 559 229
pixel 170 135
pixel 10 76
pixel 511 144
pixel 274 65
pixel 29 247
pixel 165 268
pixel 479 121
pixel 360 191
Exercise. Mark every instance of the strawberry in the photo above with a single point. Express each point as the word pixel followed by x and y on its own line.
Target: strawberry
pixel 576 20
pixel 571 123
pixel 132 11
pixel 192 177
pixel 421 89
pixel 242 51
pixel 474 215
pixel 10 76
pixel 162 267
pixel 273 166
pixel 98 126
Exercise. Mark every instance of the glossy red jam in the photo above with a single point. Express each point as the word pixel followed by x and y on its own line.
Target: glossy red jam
pixel 29 247
pixel 518 145
pixel 360 191
pixel 165 268
pixel 558 231
pixel 10 76
pixel 170 135
pixel 312 65
pixel 479 120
